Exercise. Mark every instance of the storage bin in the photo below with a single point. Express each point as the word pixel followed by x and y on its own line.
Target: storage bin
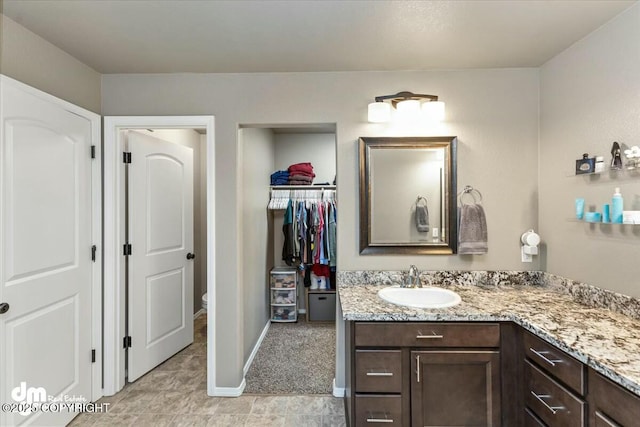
pixel 284 313
pixel 286 296
pixel 282 277
pixel 321 306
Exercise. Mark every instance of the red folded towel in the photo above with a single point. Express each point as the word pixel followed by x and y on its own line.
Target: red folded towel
pixel 299 177
pixel 302 169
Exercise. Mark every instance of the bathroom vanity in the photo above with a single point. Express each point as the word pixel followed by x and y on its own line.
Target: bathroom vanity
pixel 510 354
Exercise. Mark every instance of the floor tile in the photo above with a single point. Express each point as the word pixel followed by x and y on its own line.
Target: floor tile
pixel 84 420
pixel 235 405
pixel 334 421
pixel 305 405
pixel 109 420
pixel 191 420
pixel 275 405
pixel 154 420
pixel 228 420
pixel 303 420
pixel 332 406
pixel 255 420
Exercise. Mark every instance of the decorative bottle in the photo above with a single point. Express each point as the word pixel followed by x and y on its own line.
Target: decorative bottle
pixel 617 206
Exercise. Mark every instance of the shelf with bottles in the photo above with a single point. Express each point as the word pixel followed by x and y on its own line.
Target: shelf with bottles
pixel 611 172
pixel 603 223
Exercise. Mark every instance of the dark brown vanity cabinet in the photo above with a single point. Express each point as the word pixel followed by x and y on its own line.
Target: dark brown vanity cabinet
pixel 455 388
pixel 611 405
pixel 424 374
pixel 554 385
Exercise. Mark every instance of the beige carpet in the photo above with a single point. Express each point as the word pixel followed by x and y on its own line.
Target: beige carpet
pixel 294 358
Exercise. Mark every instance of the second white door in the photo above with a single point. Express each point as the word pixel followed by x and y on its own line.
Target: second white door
pixel 160 230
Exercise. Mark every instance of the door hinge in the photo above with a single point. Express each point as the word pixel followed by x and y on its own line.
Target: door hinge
pixel 93 356
pixel 94 248
pixel 93 151
pixel 126 342
pixel 127 249
pixel 126 157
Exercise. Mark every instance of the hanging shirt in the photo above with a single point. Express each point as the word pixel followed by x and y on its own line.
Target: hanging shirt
pixel 289 239
pixel 332 236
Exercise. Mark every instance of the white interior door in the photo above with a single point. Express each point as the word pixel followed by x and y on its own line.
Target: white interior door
pixel 46 266
pixel 160 194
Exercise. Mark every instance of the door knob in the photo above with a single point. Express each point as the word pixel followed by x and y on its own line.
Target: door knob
pixel 191 256
pixel 4 307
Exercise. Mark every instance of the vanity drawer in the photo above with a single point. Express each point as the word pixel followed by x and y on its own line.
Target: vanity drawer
pixel 378 410
pixel 378 371
pixel 551 402
pixel 556 362
pixel 421 334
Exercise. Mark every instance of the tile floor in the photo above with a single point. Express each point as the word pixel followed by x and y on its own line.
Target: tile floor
pixel 174 394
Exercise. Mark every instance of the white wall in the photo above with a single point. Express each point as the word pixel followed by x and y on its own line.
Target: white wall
pixel 590 97
pixel 31 59
pixel 319 149
pixel 494 113
pixel 256 154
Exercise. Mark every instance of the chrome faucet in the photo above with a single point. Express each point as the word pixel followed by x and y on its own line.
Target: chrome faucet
pixel 413 278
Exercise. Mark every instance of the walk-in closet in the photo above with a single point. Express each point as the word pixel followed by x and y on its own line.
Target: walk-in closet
pixel 288 232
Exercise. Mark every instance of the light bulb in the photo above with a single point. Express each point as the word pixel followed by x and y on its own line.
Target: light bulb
pixel 379 112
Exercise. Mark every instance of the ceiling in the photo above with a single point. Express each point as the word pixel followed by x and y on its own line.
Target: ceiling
pixel 167 36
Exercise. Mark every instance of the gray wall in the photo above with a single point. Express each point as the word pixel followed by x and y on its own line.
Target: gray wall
pixel 494 113
pixel 590 97
pixel 256 154
pixel 319 149
pixel 29 58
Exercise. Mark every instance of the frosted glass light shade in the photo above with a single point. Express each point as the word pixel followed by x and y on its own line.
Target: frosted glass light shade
pixel 379 112
pixel 408 107
pixel 433 111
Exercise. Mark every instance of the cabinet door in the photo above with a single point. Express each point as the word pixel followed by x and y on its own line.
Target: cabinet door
pixel 610 405
pixel 455 388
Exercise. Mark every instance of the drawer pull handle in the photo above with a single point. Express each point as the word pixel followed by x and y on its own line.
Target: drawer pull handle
pixel 379 374
pixel 380 420
pixel 418 368
pixel 541 355
pixel 541 397
pixel 433 335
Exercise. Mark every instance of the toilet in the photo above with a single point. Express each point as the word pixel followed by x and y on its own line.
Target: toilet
pixel 204 301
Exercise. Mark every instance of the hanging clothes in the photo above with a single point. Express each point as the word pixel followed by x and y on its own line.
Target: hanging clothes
pixel 288 249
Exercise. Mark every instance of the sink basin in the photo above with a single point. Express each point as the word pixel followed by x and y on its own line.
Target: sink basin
pixel 420 297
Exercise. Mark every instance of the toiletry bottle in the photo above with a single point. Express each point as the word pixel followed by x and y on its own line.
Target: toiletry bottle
pixel 617 207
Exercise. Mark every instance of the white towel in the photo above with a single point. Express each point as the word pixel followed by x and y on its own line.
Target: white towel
pixel 472 232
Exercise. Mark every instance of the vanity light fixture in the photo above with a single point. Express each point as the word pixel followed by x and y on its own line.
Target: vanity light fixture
pixel 408 104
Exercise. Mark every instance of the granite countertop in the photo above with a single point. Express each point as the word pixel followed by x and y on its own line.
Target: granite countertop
pixel 605 340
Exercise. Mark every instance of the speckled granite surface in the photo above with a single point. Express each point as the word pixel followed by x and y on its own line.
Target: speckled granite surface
pixel 557 310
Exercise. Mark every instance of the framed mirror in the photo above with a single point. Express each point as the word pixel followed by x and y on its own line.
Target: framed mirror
pixel 408 195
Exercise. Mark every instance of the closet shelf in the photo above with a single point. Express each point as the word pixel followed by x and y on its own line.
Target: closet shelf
pixel 303 187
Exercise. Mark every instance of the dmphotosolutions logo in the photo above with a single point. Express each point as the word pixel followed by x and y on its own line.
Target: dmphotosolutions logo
pixel 28 395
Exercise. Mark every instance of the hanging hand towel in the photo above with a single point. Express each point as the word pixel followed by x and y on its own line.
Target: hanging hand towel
pixel 422 215
pixel 472 233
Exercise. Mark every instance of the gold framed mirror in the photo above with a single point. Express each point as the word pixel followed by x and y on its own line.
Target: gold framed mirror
pixel 408 195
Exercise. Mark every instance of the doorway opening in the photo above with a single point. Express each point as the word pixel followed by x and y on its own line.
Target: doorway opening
pixel 163 203
pixel 305 310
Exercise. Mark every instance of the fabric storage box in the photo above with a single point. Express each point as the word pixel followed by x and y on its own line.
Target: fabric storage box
pixel 283 277
pixel 321 306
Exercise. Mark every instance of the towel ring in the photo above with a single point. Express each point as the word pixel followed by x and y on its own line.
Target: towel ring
pixel 469 190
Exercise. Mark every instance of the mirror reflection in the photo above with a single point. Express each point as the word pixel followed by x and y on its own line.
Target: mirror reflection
pixel 407 189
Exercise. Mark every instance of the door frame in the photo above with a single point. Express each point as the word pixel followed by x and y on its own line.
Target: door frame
pixel 114 283
pixel 96 222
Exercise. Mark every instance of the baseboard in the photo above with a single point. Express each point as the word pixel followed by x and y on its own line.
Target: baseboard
pixel 247 365
pixel 199 313
pixel 230 391
pixel 337 391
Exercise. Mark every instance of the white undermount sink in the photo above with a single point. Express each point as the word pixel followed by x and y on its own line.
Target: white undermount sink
pixel 429 297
